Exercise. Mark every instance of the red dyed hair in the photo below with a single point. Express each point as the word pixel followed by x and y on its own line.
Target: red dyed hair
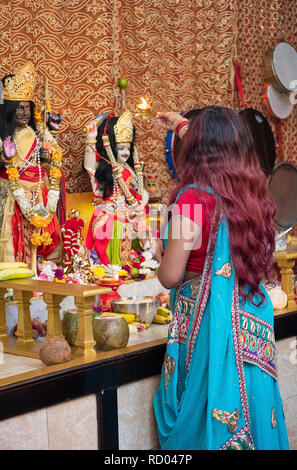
pixel 218 152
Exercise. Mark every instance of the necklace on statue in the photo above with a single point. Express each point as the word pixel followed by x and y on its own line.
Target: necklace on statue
pixel 32 160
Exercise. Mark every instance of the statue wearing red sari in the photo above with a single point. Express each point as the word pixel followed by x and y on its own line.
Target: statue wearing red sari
pixel 29 197
pixel 112 162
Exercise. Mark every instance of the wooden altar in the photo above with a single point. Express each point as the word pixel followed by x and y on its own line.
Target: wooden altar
pixel 53 294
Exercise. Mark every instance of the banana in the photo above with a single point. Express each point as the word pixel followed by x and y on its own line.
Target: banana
pixel 12 265
pixel 161 320
pixel 15 273
pixel 163 311
pixel 129 317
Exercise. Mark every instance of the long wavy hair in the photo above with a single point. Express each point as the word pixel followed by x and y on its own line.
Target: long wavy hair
pixel 104 175
pixel 218 152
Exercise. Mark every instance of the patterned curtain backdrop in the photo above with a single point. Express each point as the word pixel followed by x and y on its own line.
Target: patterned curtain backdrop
pixel 177 54
pixel 262 25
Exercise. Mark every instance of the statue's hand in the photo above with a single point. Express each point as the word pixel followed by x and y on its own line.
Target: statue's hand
pixel 9 148
pixel 91 131
pixel 44 154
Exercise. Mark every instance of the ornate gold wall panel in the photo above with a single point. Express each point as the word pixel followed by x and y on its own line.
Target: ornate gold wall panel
pixel 175 53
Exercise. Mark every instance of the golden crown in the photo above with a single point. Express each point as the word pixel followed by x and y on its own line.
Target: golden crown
pixel 123 129
pixel 21 86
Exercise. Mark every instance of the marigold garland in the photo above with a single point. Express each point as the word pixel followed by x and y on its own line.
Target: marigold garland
pixel 43 239
pixel 39 221
pixel 12 173
pixel 56 155
pixel 46 239
pixel 55 172
pixel 35 239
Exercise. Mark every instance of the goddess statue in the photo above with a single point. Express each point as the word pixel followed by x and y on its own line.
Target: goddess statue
pixel 28 196
pixel 112 162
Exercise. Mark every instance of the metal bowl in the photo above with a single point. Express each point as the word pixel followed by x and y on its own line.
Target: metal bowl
pixel 144 308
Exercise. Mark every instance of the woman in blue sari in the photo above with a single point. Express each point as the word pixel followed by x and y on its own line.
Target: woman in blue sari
pixel 218 387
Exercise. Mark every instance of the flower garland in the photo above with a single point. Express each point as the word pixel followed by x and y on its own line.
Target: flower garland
pixel 19 194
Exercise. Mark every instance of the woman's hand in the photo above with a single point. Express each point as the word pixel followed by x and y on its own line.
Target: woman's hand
pixel 9 148
pixel 168 119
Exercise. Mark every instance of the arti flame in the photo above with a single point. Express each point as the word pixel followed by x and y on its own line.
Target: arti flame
pixel 143 105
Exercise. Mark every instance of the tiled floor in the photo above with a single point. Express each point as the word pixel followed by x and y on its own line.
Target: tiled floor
pixel 287 379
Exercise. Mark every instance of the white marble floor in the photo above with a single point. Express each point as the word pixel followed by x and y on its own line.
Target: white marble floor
pixel 287 379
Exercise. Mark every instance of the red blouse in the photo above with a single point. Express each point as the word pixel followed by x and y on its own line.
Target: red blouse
pixel 199 207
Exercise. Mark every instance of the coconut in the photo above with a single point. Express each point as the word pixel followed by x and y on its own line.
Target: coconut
pixel 110 332
pixel 55 351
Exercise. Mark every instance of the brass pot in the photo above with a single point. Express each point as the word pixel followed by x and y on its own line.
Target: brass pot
pixel 110 332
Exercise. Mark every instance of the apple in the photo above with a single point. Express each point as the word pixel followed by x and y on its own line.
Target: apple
pixel 123 83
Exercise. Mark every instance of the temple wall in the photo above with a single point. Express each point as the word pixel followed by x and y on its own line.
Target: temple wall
pixel 177 54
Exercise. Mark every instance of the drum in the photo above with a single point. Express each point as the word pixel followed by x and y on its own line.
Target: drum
pixel 262 136
pixel 280 67
pixel 282 188
pixel 279 103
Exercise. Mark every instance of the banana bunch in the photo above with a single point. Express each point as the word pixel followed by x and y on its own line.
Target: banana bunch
pixel 162 316
pixel 14 270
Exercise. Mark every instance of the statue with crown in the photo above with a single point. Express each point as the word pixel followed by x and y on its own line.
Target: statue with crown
pixel 119 196
pixel 28 195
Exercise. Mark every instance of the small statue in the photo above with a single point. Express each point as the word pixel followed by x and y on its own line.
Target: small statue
pixel 82 269
pixel 72 238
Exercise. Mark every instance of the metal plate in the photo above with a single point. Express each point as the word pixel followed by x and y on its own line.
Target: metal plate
pixel 263 137
pixel 282 188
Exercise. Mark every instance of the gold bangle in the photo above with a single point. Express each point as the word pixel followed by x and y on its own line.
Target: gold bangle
pixel 177 122
pixel 183 131
pixel 90 141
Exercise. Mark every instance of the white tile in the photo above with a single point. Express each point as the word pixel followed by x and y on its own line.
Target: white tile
pixel 290 411
pixel 137 426
pixel 25 432
pixel 287 367
pixel 72 425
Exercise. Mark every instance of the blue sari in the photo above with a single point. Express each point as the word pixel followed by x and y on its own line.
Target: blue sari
pixel 218 387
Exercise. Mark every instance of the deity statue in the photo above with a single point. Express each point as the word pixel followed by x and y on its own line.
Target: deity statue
pixel 112 162
pixel 28 196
